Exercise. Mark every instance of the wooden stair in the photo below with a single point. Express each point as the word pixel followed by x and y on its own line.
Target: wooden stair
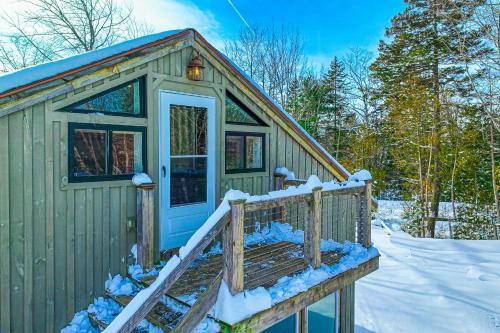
pixel 161 315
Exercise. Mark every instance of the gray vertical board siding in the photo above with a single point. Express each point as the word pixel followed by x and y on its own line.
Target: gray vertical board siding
pixel 39 197
pixel 15 184
pixel 4 227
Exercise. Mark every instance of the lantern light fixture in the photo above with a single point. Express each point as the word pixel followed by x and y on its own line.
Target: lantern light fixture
pixel 195 67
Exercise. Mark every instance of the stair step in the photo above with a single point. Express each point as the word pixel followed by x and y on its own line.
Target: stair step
pixel 161 316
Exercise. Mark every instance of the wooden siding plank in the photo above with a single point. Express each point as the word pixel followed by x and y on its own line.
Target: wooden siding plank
pixel 123 230
pixel 106 266
pixel 89 244
pixel 15 183
pixel 60 231
pixel 49 213
pixel 4 228
pixel 166 64
pixel 114 230
pixel 70 248
pixel 98 275
pixel 28 220
pixel 39 202
pixel 80 255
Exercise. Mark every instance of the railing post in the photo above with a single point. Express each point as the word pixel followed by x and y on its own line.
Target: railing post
pixel 312 230
pixel 232 239
pixel 364 215
pixel 279 212
pixel 145 225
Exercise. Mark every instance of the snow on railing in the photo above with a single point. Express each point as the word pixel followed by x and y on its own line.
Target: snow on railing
pixel 231 213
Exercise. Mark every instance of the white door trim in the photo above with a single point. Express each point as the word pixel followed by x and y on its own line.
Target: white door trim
pixel 165 99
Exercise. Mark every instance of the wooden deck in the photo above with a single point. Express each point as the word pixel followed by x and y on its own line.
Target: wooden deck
pixel 264 266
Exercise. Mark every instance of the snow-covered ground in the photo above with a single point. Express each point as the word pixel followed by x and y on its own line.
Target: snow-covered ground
pixel 428 285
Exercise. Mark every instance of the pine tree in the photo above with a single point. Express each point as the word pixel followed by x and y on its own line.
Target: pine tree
pixel 424 47
pixel 336 120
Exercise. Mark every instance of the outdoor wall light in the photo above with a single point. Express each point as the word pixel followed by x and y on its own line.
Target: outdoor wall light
pixel 195 67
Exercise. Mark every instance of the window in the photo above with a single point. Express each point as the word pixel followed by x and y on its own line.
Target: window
pixel 322 315
pixel 237 113
pixel 125 100
pixel 188 154
pixel 105 152
pixel 287 325
pixel 245 152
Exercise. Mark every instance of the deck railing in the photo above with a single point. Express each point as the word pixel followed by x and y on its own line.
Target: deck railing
pixel 231 225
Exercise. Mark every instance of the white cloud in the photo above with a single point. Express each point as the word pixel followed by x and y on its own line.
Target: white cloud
pixel 160 14
pixel 176 14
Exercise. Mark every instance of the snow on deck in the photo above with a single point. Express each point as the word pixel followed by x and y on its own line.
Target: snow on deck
pixel 429 285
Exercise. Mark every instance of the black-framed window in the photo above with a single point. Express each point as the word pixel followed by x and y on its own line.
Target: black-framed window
pixel 239 114
pixel 99 152
pixel 127 99
pixel 245 152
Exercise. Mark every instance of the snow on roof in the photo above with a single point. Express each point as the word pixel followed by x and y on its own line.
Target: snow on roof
pixel 36 73
pixel 40 72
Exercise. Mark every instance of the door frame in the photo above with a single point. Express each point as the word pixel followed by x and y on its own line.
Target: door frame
pixel 182 98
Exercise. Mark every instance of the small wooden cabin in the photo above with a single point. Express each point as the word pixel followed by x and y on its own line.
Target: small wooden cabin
pixel 73 133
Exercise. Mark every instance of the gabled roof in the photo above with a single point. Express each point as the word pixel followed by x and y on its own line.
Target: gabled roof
pixel 36 76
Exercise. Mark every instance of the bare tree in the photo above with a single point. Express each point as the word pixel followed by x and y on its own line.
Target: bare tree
pixel 357 62
pixel 51 29
pixel 273 57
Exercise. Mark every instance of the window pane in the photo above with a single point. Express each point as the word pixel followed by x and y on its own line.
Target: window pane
pixel 321 315
pixel 89 151
pixel 188 180
pixel 234 152
pixel 126 99
pixel 254 152
pixel 127 152
pixel 236 114
pixel 287 325
pixel 188 130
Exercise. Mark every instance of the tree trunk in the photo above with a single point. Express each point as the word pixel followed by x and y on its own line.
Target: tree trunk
pixel 493 177
pixel 436 138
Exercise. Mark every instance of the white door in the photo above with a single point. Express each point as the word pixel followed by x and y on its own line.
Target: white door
pixel 187 165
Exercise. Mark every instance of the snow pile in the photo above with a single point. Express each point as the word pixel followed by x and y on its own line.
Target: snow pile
pixel 361 175
pixel 285 172
pixel 104 310
pixel 429 285
pixel 80 324
pixel 140 179
pixel 119 286
pixel 137 272
pixel 233 309
pixel 274 233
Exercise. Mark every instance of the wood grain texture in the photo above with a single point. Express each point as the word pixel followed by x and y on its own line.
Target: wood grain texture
pixel 232 243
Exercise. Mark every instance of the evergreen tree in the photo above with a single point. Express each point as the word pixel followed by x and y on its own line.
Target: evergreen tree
pixel 336 121
pixel 424 47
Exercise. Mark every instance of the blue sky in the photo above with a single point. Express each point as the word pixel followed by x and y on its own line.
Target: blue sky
pixel 328 27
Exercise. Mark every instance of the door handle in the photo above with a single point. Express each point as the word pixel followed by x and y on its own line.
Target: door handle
pixel 164 170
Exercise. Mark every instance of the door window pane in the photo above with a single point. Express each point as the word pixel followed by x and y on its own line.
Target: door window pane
pixel 127 152
pixel 89 151
pixel 235 152
pixel 321 315
pixel 287 325
pixel 254 152
pixel 188 130
pixel 188 180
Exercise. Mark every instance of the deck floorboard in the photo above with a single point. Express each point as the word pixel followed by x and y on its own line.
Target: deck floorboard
pixel 264 266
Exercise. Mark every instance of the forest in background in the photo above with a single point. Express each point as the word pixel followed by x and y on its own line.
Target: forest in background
pixel 423 114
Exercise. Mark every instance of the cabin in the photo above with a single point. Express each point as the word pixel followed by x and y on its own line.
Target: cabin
pixel 74 132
